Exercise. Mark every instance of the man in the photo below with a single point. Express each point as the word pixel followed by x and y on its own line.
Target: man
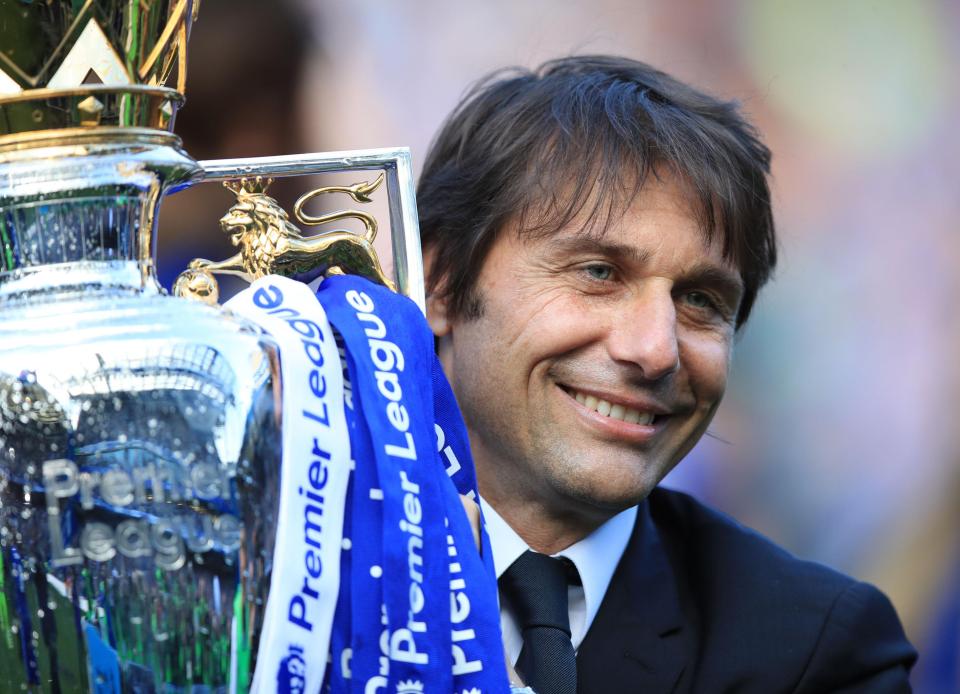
pixel 595 234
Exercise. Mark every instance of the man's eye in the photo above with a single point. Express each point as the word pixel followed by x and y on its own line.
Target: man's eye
pixel 699 300
pixel 599 272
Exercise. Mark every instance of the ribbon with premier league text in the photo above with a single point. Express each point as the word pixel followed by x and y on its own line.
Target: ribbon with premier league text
pixel 314 475
pixel 376 581
pixel 423 613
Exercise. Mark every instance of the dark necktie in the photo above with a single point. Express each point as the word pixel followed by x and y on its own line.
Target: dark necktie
pixel 535 590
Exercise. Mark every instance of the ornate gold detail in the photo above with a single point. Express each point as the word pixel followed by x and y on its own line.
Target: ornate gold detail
pixel 90 110
pixel 92 53
pixel 358 191
pixel 171 43
pixel 59 47
pixel 199 285
pixel 272 245
pixel 12 146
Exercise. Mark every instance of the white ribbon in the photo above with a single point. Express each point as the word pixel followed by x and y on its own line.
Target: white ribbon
pixel 297 622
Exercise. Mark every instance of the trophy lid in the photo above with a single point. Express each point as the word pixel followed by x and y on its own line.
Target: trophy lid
pixel 94 63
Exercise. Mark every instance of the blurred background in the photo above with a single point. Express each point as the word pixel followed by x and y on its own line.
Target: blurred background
pixel 838 436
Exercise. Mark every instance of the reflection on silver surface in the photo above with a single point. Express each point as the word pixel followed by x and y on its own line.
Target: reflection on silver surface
pixel 139 442
pixel 139 434
pixel 138 495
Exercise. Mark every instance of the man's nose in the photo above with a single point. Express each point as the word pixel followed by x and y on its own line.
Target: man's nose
pixel 645 333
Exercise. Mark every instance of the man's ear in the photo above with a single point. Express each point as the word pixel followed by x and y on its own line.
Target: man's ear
pixel 437 315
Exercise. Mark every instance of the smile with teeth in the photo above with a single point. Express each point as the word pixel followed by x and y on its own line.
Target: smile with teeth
pixel 626 414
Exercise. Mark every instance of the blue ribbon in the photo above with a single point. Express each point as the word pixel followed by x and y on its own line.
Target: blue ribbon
pixel 420 612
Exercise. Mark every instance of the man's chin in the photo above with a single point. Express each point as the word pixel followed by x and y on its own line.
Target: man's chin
pixel 607 496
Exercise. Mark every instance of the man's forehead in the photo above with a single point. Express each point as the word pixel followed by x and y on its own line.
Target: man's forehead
pixel 605 218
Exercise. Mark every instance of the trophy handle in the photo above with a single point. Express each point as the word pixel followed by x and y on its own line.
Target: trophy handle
pixel 248 178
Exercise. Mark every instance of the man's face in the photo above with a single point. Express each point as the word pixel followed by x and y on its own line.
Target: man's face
pixel 598 359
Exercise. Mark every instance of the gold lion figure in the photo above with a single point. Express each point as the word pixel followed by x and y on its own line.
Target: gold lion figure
pixel 270 244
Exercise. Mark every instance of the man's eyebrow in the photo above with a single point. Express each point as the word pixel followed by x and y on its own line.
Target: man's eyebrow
pixel 595 243
pixel 722 279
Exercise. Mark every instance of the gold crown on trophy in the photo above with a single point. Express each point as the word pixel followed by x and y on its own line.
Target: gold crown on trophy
pixel 246 187
pixel 70 64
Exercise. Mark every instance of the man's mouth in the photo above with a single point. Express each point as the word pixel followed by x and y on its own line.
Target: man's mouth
pixel 611 410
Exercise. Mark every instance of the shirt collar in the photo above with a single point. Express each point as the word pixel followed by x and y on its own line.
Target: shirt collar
pixel 507 546
pixel 596 556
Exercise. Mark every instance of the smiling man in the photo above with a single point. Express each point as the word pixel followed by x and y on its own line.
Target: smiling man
pixel 595 234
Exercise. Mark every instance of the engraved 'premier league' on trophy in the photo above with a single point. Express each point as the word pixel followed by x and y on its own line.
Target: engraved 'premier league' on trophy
pixel 140 438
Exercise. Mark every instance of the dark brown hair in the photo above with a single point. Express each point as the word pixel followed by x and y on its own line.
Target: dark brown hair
pixel 581 134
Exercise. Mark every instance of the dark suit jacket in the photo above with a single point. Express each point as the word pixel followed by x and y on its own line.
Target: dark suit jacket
pixel 699 603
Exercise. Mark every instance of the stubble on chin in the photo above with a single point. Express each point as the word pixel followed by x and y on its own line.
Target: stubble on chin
pixel 589 480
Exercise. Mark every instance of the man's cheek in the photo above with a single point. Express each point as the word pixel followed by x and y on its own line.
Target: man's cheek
pixel 708 364
pixel 552 332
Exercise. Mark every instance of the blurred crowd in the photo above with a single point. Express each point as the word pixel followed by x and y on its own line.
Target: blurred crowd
pixel 837 436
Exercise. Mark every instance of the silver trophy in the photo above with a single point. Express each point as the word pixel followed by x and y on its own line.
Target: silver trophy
pixel 139 432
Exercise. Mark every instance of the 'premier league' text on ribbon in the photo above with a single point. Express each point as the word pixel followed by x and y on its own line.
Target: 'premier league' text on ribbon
pixel 387 360
pixel 270 299
pixel 314 473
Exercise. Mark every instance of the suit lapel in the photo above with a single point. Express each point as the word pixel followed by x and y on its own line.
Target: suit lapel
pixel 637 642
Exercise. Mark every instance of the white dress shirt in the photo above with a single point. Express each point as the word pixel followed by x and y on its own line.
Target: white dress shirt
pixel 596 557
